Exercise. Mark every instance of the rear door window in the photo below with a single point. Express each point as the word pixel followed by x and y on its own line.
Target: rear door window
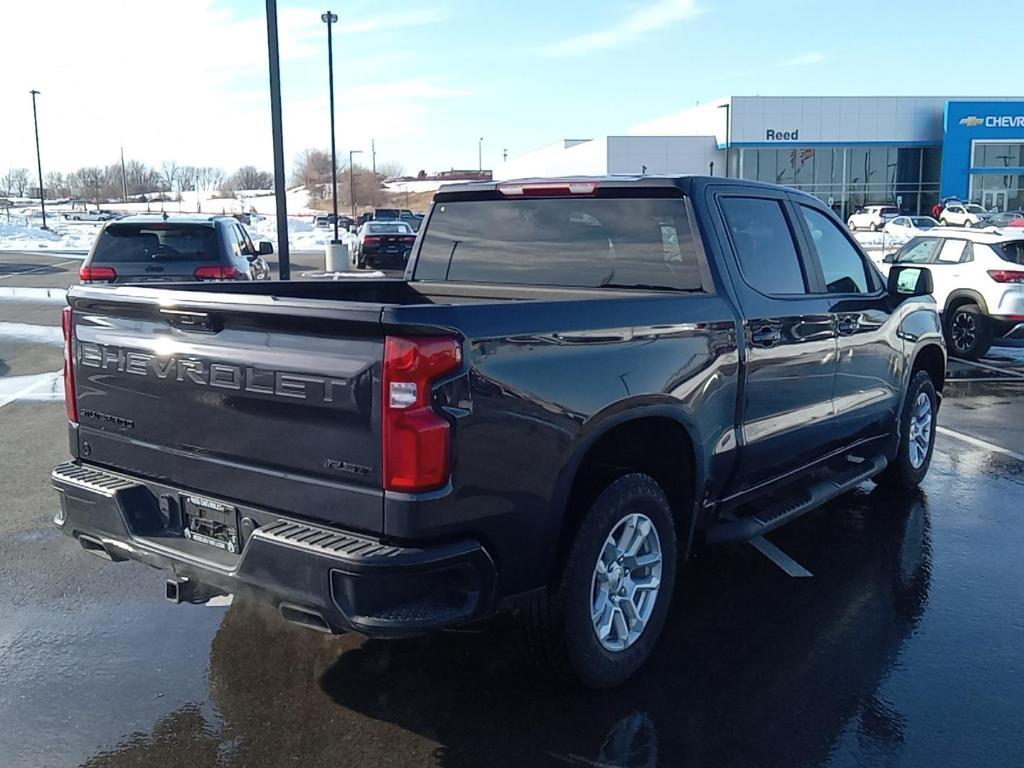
pixel 1012 250
pixel 121 243
pixel 574 242
pixel 841 263
pixel 764 245
pixel 952 252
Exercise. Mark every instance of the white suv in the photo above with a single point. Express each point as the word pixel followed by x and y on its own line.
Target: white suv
pixel 872 217
pixel 979 285
pixel 962 215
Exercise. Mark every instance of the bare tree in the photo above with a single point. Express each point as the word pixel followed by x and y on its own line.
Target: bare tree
pixel 312 168
pixel 390 169
pixel 169 171
pixel 187 178
pixel 249 177
pixel 55 184
pixel 19 181
pixel 87 182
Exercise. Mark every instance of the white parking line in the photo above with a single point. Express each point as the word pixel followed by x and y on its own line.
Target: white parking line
pixel 41 268
pixel 979 443
pixel 1011 372
pixel 29 332
pixel 41 386
pixel 780 558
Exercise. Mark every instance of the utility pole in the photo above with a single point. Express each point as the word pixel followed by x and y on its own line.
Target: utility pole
pixel 352 182
pixel 283 263
pixel 124 179
pixel 373 157
pixel 329 19
pixel 504 155
pixel 39 161
pixel 480 154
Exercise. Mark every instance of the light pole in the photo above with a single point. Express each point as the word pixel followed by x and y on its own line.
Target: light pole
pixel 480 154
pixel 728 135
pixel 283 260
pixel 39 161
pixel 351 184
pixel 329 19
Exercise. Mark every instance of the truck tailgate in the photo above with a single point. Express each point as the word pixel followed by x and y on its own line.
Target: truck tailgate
pixel 247 398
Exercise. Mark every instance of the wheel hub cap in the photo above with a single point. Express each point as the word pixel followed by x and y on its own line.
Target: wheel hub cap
pixel 626 582
pixel 920 433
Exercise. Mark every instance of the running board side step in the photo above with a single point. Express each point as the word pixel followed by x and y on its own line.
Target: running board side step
pixel 807 499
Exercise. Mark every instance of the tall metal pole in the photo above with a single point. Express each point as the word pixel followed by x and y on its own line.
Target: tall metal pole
pixel 728 135
pixel 480 154
pixel 352 182
pixel 373 157
pixel 39 161
pixel 283 262
pixel 124 179
pixel 329 19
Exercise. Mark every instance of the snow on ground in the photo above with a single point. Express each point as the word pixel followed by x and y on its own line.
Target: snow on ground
pixel 879 241
pixel 61 237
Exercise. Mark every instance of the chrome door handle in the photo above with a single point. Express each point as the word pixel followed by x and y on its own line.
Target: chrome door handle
pixel 765 336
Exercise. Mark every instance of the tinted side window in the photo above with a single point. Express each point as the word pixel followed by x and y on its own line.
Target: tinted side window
pixel 764 245
pixel 918 251
pixel 841 263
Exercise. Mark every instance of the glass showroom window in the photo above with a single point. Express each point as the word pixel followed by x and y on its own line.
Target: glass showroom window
pixel 997 154
pixel 999 191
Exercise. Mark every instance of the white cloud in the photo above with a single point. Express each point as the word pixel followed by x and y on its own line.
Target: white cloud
pixel 805 60
pixel 414 18
pixel 184 80
pixel 638 23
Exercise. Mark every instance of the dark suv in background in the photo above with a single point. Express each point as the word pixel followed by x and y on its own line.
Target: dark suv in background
pixel 146 249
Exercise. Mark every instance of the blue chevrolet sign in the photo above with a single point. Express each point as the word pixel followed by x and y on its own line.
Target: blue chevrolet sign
pixel 969 121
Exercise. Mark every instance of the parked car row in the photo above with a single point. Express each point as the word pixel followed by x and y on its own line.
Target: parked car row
pixel 978 280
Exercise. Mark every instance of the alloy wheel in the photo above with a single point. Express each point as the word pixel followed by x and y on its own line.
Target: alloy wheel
pixel 920 432
pixel 626 582
pixel 963 331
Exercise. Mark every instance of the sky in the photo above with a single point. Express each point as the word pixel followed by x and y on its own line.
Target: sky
pixel 186 80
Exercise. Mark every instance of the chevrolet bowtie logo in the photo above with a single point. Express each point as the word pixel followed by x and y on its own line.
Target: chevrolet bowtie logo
pixel 972 121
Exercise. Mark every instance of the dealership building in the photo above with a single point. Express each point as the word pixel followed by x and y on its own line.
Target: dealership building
pixel 849 151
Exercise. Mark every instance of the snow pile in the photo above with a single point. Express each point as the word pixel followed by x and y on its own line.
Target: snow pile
pixel 26 237
pixel 881 241
pixel 302 235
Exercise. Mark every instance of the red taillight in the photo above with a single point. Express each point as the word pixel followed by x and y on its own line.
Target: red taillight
pixel 97 274
pixel 67 324
pixel 416 438
pixel 216 273
pixel 409 239
pixel 548 188
pixel 1006 275
pixel 371 240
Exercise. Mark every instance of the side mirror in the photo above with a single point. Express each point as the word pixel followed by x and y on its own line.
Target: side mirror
pixel 890 258
pixel 265 248
pixel 910 280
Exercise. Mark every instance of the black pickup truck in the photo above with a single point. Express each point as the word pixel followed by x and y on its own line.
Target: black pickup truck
pixel 577 383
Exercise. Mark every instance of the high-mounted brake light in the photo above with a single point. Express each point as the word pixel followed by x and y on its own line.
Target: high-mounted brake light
pixel 67 324
pixel 216 273
pixel 416 438
pixel 1006 275
pixel 548 188
pixel 97 274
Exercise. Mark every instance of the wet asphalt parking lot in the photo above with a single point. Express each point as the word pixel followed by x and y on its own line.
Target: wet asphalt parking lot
pixel 904 648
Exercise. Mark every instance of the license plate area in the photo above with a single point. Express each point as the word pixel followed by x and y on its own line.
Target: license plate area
pixel 210 522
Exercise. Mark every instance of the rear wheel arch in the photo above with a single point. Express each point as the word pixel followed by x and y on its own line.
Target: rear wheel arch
pixel 932 360
pixel 961 297
pixel 655 441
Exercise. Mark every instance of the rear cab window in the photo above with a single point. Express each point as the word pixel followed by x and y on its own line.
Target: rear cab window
pixel 587 242
pixel 163 241
pixel 764 245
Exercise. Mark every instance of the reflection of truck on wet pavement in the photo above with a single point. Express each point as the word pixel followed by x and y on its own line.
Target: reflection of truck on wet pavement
pixel 576 381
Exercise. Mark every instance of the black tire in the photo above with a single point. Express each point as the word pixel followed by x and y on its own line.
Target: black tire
pixel 873 227
pixel 901 473
pixel 560 631
pixel 968 332
pixel 943 222
pixel 851 226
